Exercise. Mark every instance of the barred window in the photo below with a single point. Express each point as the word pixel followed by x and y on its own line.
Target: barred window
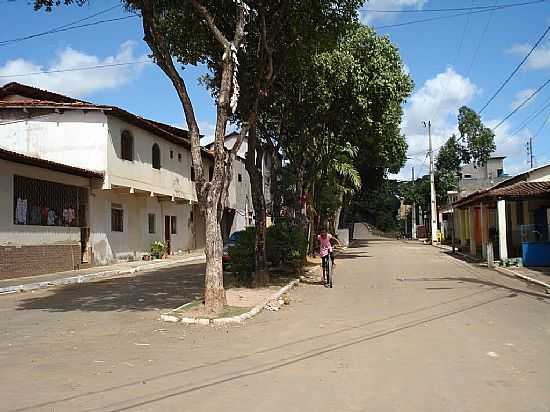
pixel 127 145
pixel 117 218
pixel 152 223
pixel 43 203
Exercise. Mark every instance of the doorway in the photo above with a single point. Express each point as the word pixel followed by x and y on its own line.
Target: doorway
pixel 167 234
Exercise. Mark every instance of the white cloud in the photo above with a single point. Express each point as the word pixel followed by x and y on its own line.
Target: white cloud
pixel 76 83
pixel 520 97
pixel 510 145
pixel 369 17
pixel 539 59
pixel 438 101
pixel 207 129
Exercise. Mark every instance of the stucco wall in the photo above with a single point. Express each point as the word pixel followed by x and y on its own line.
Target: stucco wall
pixel 12 234
pixel 135 239
pixel 73 138
pixel 174 176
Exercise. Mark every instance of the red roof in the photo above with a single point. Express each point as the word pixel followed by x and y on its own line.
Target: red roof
pixel 524 189
pixel 47 164
pixel 38 98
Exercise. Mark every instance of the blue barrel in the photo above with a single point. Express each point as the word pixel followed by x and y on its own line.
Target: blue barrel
pixel 536 253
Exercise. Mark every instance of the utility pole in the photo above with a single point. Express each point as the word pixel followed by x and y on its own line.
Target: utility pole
pixel 530 151
pixel 413 215
pixel 432 184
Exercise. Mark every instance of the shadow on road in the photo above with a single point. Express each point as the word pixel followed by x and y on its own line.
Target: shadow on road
pixel 162 289
pixel 539 296
pixel 284 361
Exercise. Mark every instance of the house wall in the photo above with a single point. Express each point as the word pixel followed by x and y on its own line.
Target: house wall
pixel 541 174
pixel 27 249
pixel 174 176
pixel 135 240
pixel 73 138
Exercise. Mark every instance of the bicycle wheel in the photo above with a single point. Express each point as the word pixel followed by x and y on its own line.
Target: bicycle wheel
pixel 329 271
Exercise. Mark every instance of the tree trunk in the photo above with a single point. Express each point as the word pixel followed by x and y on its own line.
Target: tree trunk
pixel 211 194
pixel 214 292
pixel 275 186
pixel 253 164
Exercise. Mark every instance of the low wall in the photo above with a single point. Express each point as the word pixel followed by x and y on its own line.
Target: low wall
pixel 21 261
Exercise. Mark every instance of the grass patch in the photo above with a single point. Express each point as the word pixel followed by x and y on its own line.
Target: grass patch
pixel 230 311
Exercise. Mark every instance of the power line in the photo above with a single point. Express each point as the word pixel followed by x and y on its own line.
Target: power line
pixel 95 23
pixel 450 16
pixel 75 69
pixel 542 125
pixel 441 9
pixel 482 37
pixel 531 117
pixel 523 103
pixel 516 69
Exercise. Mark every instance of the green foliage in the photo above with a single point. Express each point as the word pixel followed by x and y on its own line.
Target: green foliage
pixel 158 249
pixel 286 244
pixel 480 140
pixel 242 257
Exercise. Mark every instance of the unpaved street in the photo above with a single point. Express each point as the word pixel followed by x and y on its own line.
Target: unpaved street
pixel 406 328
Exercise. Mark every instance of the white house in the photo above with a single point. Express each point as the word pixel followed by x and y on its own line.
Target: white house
pixel 146 191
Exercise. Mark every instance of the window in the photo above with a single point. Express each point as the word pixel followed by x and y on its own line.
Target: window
pixel 500 172
pixel 127 146
pixel 171 154
pixel 191 216
pixel 117 218
pixel 156 156
pixel 173 225
pixel 210 173
pixel 192 174
pixel 240 177
pixel 42 203
pixel 151 217
pixel 179 157
pixel 467 176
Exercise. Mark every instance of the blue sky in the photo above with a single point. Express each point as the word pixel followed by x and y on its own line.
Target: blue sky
pixel 440 55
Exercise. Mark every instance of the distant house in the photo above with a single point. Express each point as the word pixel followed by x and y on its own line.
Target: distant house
pixel 143 187
pixel 472 178
pixel 476 177
pixel 510 215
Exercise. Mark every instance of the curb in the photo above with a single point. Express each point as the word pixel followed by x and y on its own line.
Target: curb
pixel 505 271
pixel 90 277
pixel 170 317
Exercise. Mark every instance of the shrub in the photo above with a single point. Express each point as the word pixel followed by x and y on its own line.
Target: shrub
pixel 286 244
pixel 158 249
pixel 242 257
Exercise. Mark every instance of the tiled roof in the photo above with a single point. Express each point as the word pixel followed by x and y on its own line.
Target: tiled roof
pixel 512 190
pixel 47 164
pixel 37 98
pixel 523 189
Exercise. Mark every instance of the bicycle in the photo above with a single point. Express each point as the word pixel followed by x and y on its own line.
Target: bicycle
pixel 327 271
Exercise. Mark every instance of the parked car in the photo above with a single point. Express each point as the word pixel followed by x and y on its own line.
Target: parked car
pixel 231 242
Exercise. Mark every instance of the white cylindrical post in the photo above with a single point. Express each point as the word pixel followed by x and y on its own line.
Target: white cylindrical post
pixel 501 216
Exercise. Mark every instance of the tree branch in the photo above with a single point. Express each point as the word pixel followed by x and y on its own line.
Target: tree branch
pixel 211 24
pixel 163 58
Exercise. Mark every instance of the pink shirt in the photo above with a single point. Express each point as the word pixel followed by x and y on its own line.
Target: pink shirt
pixel 325 245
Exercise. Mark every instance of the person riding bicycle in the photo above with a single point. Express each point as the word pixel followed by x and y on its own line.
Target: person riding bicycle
pixel 325 245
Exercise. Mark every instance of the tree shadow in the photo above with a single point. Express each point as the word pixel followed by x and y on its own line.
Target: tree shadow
pixel 539 296
pixel 164 288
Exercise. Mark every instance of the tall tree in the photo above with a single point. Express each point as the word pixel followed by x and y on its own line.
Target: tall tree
pixel 199 31
pixel 479 139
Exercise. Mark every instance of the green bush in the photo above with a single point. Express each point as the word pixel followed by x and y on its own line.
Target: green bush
pixel 158 249
pixel 242 257
pixel 286 244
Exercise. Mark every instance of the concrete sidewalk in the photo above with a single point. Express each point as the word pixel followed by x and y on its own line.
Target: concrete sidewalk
pixel 24 284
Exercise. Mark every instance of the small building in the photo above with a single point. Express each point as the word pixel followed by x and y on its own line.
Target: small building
pixel 143 179
pixel 513 216
pixel 46 214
